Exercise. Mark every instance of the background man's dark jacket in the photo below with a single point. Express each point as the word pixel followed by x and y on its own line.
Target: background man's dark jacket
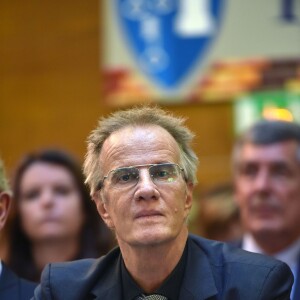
pixel 14 288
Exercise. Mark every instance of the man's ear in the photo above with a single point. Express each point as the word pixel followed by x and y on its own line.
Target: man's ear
pixel 189 196
pixel 102 208
pixel 5 202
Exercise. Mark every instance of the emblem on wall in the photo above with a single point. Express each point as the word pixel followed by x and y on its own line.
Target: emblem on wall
pixel 168 37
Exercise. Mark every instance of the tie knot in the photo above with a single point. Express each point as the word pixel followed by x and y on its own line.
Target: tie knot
pixel 151 297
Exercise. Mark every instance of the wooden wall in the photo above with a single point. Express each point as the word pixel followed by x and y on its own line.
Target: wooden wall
pixel 50 86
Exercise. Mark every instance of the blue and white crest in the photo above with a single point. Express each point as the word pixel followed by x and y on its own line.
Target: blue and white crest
pixel 168 37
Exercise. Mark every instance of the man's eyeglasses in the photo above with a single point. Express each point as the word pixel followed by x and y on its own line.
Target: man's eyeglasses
pixel 128 177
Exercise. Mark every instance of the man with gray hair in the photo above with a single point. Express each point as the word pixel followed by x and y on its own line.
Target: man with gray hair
pixel 11 286
pixel 141 171
pixel 266 168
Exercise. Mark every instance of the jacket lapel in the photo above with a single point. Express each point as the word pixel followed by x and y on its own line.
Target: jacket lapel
pixel 198 281
pixel 114 293
pixel 111 287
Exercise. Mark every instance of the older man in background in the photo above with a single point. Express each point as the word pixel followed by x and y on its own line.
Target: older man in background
pixel 11 286
pixel 266 164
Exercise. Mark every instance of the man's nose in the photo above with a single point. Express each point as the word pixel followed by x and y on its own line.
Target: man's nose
pixel 146 188
pixel 262 181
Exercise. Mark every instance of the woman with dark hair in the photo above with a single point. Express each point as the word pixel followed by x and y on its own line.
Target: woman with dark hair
pixel 53 217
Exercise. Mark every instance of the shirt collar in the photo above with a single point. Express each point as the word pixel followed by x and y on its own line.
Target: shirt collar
pixel 289 255
pixel 170 288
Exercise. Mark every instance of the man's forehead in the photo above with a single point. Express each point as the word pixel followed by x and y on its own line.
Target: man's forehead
pixel 140 140
pixel 281 151
pixel 133 134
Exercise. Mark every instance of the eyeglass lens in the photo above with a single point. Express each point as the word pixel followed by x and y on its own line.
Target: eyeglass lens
pixel 129 176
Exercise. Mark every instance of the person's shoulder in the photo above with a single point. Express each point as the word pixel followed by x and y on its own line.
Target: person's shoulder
pixel 27 288
pixel 80 265
pixel 72 280
pixel 78 269
pixel 229 253
pixel 252 275
pixel 14 286
pixel 238 261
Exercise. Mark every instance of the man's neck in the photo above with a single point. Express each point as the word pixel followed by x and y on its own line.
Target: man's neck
pixel 149 266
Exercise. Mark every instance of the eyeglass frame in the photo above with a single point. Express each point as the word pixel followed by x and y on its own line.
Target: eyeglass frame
pixel 101 183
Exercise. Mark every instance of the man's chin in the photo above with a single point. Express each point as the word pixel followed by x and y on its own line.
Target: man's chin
pixel 151 239
pixel 266 229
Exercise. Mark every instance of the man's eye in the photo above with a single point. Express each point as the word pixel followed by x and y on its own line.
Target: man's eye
pixel 248 170
pixel 124 178
pixel 162 174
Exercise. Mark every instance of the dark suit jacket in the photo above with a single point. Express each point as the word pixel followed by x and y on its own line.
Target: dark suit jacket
pixel 14 288
pixel 213 271
pixel 239 243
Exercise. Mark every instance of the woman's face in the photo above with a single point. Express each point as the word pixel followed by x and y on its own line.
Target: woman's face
pixel 50 205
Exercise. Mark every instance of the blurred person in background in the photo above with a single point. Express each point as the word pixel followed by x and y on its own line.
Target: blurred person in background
pixel 53 217
pixel 11 286
pixel 217 216
pixel 266 169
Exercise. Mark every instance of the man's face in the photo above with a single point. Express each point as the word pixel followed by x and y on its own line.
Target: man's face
pixel 147 213
pixel 267 182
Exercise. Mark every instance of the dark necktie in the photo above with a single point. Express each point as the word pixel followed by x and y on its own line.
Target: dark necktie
pixel 151 297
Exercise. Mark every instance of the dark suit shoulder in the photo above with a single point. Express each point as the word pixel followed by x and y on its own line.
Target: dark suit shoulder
pixel 237 271
pixel 221 253
pixel 75 279
pixel 82 268
pixel 14 287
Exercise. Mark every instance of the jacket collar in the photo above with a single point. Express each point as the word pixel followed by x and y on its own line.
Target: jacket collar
pixel 198 282
pixel 110 286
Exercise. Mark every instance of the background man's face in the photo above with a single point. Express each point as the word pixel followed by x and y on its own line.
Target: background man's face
pixel 146 214
pixel 267 181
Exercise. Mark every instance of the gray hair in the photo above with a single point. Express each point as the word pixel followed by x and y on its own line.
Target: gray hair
pixel 4 187
pixel 138 116
pixel 267 132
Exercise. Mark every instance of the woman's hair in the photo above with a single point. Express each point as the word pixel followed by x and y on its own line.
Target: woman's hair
pixel 96 238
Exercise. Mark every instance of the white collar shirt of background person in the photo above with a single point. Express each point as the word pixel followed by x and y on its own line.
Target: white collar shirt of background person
pixel 291 255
